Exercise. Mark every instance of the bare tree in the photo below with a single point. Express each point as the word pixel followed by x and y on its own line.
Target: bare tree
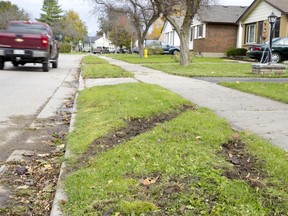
pixel 141 14
pixel 180 14
pixel 9 12
pixel 118 28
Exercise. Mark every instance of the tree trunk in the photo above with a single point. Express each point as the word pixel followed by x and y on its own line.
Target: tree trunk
pixel 141 47
pixel 184 47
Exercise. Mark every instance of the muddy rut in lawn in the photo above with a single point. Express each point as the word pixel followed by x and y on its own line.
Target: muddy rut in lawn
pixel 135 126
pixel 245 166
pixel 251 169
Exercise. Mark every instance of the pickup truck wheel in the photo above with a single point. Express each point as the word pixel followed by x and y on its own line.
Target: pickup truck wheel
pixel 15 64
pixel 55 63
pixel 2 62
pixel 46 65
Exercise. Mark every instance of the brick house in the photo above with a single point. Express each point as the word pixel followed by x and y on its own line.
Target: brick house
pixel 214 30
pixel 254 25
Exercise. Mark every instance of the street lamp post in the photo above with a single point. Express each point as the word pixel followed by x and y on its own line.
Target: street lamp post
pixel 271 19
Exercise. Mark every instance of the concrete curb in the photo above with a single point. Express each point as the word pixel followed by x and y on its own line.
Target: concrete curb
pixel 60 194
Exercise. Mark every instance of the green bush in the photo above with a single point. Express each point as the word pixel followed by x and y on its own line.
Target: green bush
pixel 232 52
pixel 176 57
pixel 154 51
pixel 64 48
pixel 240 52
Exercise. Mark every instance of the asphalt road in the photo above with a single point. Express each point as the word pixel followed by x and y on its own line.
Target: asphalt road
pixel 29 95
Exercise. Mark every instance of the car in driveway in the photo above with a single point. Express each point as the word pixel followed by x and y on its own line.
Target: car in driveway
pixel 100 50
pixel 260 52
pixel 166 48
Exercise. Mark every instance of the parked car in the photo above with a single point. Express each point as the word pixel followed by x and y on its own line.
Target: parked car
pixel 100 50
pixel 279 50
pixel 86 49
pixel 135 50
pixel 122 50
pixel 28 42
pixel 166 48
pixel 111 50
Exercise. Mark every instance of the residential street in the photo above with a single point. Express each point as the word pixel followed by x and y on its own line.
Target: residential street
pixel 29 96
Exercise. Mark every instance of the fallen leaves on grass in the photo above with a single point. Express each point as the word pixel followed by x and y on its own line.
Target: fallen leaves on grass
pixel 149 180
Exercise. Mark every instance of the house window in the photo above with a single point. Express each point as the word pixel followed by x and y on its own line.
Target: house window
pixel 277 28
pixel 260 32
pixel 200 31
pixel 251 33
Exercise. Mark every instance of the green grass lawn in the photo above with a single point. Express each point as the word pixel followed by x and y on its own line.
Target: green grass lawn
pixel 201 67
pixel 191 163
pixel 91 59
pixel 94 67
pixel 274 91
pixel 134 58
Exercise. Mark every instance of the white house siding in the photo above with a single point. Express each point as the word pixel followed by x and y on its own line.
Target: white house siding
pixel 102 42
pixel 170 36
pixel 261 12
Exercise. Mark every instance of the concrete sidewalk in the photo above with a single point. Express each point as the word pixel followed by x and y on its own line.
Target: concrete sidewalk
pixel 264 117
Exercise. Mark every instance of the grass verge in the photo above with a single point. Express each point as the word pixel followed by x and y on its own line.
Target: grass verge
pixel 201 66
pixel 274 91
pixel 94 67
pixel 134 58
pixel 191 163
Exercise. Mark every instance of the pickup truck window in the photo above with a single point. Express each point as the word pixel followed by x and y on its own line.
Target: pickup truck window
pixel 24 27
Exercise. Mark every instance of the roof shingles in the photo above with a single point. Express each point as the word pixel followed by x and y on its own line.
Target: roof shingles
pixel 281 5
pixel 221 13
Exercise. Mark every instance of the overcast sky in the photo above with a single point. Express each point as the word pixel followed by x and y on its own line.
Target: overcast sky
pixel 85 9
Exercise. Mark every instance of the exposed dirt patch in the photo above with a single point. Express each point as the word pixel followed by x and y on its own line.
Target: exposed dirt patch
pixel 134 127
pixel 245 166
pixel 251 169
pixel 32 181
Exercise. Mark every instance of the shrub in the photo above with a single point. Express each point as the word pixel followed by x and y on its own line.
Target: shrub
pixel 240 52
pixel 154 51
pixel 232 52
pixel 176 57
pixel 65 48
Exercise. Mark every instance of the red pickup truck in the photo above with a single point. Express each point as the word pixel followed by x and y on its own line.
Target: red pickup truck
pixel 28 42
